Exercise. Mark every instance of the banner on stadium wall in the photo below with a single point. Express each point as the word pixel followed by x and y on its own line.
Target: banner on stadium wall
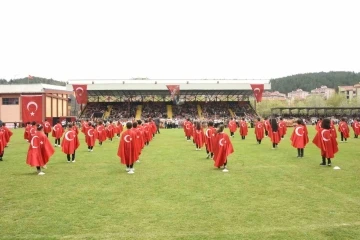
pixel 175 92
pixel 32 108
pixel 80 92
pixel 258 90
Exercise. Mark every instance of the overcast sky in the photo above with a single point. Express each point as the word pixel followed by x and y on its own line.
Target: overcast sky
pixel 85 39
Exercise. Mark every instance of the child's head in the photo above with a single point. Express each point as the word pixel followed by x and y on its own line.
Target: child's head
pixel 220 128
pixel 325 123
pixel 129 125
pixel 39 127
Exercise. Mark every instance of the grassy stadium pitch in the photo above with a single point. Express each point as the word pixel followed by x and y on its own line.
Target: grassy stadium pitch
pixel 176 193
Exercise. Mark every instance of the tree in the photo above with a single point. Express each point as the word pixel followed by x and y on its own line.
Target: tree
pixel 336 100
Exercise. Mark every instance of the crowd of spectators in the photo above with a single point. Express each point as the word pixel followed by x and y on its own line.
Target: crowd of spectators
pixel 154 109
pixel 210 110
pixel 186 110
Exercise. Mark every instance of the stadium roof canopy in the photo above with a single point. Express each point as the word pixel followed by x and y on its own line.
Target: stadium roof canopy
pixel 157 87
pixel 30 88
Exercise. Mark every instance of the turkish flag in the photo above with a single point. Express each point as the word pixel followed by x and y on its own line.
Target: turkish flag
pixel 80 93
pixel 32 109
pixel 174 91
pixel 258 90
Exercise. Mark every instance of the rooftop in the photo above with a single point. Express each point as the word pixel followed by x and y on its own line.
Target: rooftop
pixel 29 88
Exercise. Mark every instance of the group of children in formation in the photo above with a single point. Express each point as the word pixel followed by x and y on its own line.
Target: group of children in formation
pixel 138 134
pixel 132 141
pixel 219 147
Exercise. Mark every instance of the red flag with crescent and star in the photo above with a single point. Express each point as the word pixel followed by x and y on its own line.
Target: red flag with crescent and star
pixel 32 108
pixel 174 91
pixel 80 93
pixel 258 90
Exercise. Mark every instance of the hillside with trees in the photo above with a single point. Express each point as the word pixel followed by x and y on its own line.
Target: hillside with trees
pixel 309 81
pixel 32 80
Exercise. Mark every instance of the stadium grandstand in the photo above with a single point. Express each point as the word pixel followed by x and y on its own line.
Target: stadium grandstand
pixel 197 99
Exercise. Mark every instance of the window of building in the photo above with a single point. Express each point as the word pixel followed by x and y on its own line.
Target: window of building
pixel 10 101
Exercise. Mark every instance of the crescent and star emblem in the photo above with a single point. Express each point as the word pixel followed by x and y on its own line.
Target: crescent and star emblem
pixel 187 126
pixel 47 124
pixel 79 90
pixel 32 142
pixel 32 131
pixel 89 132
pixel 221 142
pixel 297 131
pixel 356 125
pixel 259 126
pixel 207 133
pixel 126 138
pixel 54 128
pixel 67 136
pixel 322 135
pixel 32 103
pixel 256 91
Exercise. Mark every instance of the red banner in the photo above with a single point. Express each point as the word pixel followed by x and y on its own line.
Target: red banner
pixel 32 109
pixel 258 90
pixel 174 91
pixel 80 93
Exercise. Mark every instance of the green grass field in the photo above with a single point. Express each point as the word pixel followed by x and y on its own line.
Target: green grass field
pixel 176 193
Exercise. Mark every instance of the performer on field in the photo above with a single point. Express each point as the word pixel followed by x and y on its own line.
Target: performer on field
pixel 356 128
pixel 199 136
pixel 70 143
pixel 57 133
pixel 259 130
pixel 101 133
pixel 344 130
pixel 282 128
pixel 232 127
pixel 2 144
pixel 40 150
pixel 299 138
pixel 243 128
pixel 210 139
pixel 7 133
pixel 90 137
pixel 223 148
pixel 274 133
pixel 326 142
pixel 266 126
pixel 47 127
pixel 110 130
pixel 126 149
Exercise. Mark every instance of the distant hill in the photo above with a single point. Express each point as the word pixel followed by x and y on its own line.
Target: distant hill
pixel 34 80
pixel 309 81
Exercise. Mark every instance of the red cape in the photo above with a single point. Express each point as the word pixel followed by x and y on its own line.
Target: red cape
pixel 199 137
pixel 243 128
pixel 40 150
pixel 326 142
pixel 344 129
pixel 47 127
pixel 232 126
pixel 90 136
pixel 101 133
pixel 210 138
pixel 2 142
pixel 299 137
pixel 126 149
pixel 259 130
pixel 223 149
pixel 70 142
pixel 57 131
